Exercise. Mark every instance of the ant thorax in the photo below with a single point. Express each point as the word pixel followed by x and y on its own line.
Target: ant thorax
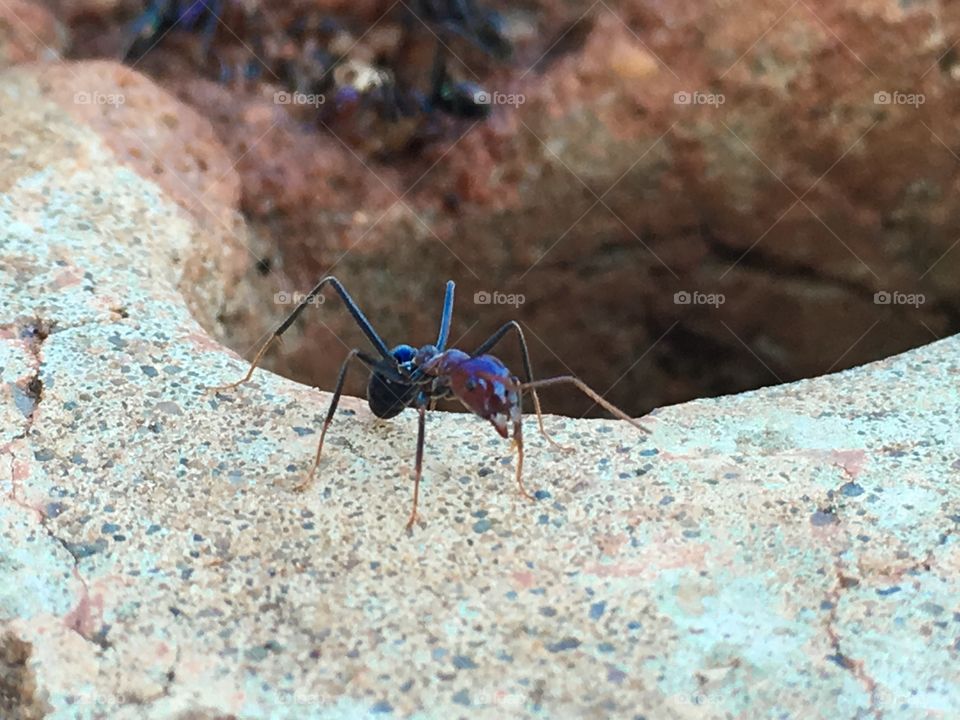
pixel 427 356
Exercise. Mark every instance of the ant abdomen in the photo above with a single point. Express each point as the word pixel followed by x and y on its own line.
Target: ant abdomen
pixel 387 398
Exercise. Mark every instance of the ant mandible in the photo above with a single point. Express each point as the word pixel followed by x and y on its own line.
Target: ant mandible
pixel 405 377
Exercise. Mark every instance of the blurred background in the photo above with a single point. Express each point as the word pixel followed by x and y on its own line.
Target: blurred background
pixel 676 198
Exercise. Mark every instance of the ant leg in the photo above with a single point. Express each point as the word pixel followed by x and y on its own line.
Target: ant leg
pixel 142 31
pixel 528 371
pixel 438 75
pixel 589 392
pixel 355 311
pixel 209 28
pixel 352 307
pixel 418 469
pixel 330 413
pixel 253 366
pixel 518 442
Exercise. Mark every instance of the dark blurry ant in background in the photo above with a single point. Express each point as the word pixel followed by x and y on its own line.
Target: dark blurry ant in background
pixel 162 16
pixel 315 55
pixel 481 27
pixel 405 376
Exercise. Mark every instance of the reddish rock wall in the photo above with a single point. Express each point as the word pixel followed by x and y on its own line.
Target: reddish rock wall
pixel 787 185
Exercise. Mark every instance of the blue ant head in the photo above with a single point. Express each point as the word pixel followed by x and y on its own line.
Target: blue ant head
pixel 411 359
pixel 404 353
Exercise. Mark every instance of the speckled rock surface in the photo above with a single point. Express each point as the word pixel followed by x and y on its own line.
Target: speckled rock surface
pixel 791 552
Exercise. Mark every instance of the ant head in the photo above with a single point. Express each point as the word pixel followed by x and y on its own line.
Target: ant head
pixel 405 355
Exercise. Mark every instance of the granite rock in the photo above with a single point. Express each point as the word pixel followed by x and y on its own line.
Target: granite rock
pixel 792 551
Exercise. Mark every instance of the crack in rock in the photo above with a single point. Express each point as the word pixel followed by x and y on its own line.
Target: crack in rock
pixel 926 564
pixel 29 394
pixel 852 665
pixel 16 489
pixel 84 618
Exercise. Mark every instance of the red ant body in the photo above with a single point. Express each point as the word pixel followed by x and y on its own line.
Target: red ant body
pixel 408 377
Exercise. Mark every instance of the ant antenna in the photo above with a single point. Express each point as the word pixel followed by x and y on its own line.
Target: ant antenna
pixel 446 317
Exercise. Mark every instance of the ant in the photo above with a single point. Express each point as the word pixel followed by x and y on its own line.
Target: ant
pixel 405 376
pixel 365 94
pixel 161 16
pixel 481 27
